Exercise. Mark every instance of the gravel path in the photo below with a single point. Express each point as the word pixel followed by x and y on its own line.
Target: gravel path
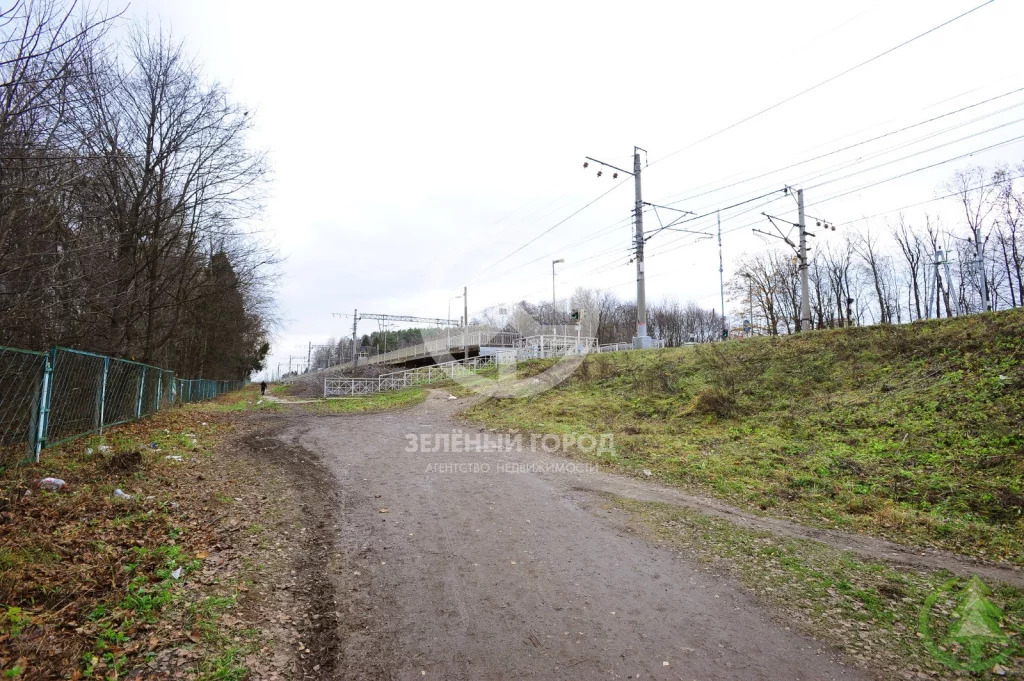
pixel 456 574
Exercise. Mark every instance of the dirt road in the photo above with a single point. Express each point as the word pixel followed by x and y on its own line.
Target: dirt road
pixel 453 574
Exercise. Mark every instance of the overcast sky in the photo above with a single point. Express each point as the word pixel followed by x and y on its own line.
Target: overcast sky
pixel 416 145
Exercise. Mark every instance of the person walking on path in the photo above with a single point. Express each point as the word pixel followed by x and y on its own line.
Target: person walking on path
pixel 263 387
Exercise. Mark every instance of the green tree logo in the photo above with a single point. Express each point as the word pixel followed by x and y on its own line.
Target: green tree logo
pixel 974 640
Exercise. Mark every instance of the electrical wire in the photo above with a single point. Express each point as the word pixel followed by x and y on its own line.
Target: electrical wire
pixel 858 189
pixel 828 80
pixel 672 200
pixel 548 230
pixel 927 201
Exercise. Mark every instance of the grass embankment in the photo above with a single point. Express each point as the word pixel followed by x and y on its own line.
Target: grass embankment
pixel 93 585
pixel 914 432
pixel 386 401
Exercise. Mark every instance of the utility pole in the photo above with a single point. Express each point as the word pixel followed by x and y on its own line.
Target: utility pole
pixel 949 286
pixel 941 259
pixel 641 340
pixel 465 322
pixel 800 250
pixel 750 298
pixel 309 354
pixel 721 276
pixel 805 289
pixel 355 340
pixel 980 249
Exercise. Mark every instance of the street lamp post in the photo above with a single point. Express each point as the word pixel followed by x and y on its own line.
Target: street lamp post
pixel 554 299
pixel 449 327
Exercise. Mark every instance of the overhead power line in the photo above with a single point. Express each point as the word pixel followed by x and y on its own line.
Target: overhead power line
pixel 674 200
pixel 861 188
pixel 549 229
pixel 828 80
pixel 927 201
pixel 908 156
pixel 918 170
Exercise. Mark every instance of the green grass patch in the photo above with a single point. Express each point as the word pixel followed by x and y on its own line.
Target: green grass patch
pixel 248 399
pixel 386 401
pixel 913 432
pixel 867 609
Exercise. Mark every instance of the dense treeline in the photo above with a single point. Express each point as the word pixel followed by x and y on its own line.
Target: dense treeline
pixel 125 189
pixel 908 270
pixel 336 351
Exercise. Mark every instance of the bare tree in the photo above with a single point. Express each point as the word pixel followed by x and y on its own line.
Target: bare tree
pixel 1010 222
pixel 976 197
pixel 124 184
pixel 913 251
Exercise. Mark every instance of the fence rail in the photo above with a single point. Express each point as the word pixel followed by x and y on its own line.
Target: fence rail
pixel 47 398
pixel 348 387
pixel 452 341
pixel 522 349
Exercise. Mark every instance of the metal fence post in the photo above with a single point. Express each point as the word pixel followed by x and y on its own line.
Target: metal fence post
pixel 44 405
pixel 138 401
pixel 159 390
pixel 103 394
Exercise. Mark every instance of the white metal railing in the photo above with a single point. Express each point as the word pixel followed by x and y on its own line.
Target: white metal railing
pixel 619 347
pixel 345 387
pixel 336 387
pixel 517 348
pixel 452 341
pixel 532 347
pixel 543 345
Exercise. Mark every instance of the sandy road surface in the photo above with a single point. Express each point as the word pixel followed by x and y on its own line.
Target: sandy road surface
pixel 506 575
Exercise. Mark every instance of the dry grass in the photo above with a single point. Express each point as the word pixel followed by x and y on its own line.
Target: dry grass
pixel 86 578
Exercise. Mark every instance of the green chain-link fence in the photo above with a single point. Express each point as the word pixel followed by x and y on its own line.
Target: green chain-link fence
pixel 50 397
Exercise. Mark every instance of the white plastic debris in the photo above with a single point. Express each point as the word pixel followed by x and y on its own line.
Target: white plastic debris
pixel 1003 377
pixel 452 397
pixel 88 450
pixel 176 574
pixel 104 448
pixel 119 493
pixel 173 457
pixel 51 483
pixel 204 423
pixel 647 472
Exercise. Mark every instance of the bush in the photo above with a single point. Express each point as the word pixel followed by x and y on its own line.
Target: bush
pixel 713 402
